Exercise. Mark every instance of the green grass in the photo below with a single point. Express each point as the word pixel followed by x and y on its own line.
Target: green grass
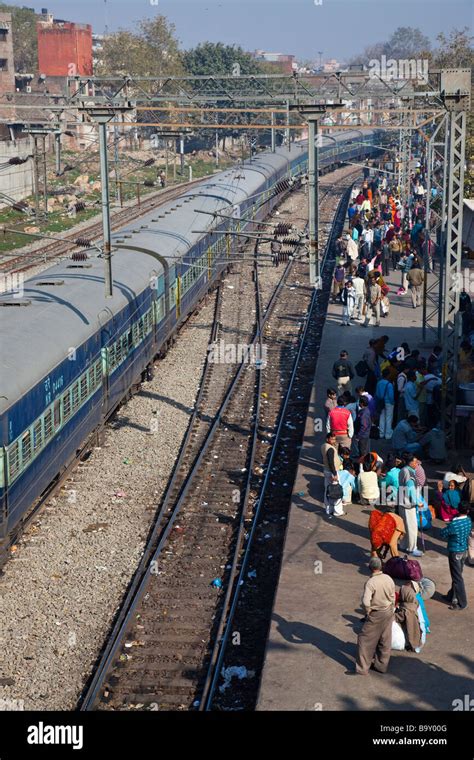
pixel 59 222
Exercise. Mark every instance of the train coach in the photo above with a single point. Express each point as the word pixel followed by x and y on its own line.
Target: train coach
pixel 70 355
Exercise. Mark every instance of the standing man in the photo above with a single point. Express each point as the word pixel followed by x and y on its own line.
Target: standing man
pixel 338 282
pixel 359 287
pixel 332 464
pixel 415 278
pixel 363 426
pixel 348 298
pixel 385 399
pixel 386 256
pixel 373 298
pixel 375 639
pixel 408 500
pixel 343 372
pixel 457 532
pixel 340 423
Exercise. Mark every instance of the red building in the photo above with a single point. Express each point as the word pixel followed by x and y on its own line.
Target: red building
pixel 64 48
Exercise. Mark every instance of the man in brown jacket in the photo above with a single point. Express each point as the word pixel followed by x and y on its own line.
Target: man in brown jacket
pixel 373 296
pixel 415 277
pixel 375 639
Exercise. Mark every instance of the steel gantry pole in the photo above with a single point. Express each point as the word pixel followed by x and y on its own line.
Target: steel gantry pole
pixel 57 139
pixel 102 116
pixel 435 221
pixel 273 135
pixel 313 203
pixel 104 180
pixel 455 88
pixel 452 271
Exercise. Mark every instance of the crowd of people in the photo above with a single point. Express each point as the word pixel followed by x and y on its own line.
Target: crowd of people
pixel 398 400
pixel 384 233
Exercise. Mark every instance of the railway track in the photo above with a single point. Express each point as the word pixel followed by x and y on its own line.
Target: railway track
pixel 164 651
pixel 50 251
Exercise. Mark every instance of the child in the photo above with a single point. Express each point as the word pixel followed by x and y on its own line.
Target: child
pixel 443 510
pixel 452 495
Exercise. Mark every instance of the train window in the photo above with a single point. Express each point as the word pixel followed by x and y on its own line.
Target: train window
pixel 130 340
pixel 57 414
pixel 98 373
pixel 66 406
pixel 26 447
pixel 75 396
pixel 13 461
pixel 48 425
pixel 83 388
pixel 136 334
pixel 37 436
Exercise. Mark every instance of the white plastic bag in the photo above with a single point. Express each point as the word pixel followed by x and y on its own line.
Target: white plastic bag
pixel 398 637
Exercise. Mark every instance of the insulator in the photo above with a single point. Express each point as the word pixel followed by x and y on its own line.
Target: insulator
pixel 80 206
pixel 149 162
pixel 290 241
pixel 282 228
pixel 69 133
pixel 83 242
pixel 68 168
pixel 79 256
pixel 16 160
pixel 149 183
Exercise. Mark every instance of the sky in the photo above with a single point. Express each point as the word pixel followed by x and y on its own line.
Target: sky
pixel 337 28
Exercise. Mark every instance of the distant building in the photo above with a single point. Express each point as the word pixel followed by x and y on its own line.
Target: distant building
pixel 64 48
pixel 282 63
pixel 331 65
pixel 7 69
pixel 97 49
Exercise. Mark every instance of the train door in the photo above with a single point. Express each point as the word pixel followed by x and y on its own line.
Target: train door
pixel 107 331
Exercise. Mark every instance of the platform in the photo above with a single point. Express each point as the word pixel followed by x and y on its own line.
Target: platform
pixel 316 616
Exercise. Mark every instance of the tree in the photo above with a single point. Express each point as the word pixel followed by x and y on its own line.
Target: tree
pixel 454 50
pixel 25 38
pixel 151 50
pixel 217 59
pixel 406 42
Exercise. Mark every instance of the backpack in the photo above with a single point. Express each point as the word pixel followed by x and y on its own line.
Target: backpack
pixel 334 492
pixel 362 368
pixel 403 569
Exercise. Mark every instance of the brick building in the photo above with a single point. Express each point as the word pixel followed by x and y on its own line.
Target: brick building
pixel 7 68
pixel 64 48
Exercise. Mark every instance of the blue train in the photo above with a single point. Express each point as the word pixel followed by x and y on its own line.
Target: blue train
pixel 70 355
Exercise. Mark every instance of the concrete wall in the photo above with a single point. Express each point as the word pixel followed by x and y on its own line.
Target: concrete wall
pixel 16 181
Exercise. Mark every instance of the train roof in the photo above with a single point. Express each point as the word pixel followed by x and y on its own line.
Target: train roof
pixel 37 336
